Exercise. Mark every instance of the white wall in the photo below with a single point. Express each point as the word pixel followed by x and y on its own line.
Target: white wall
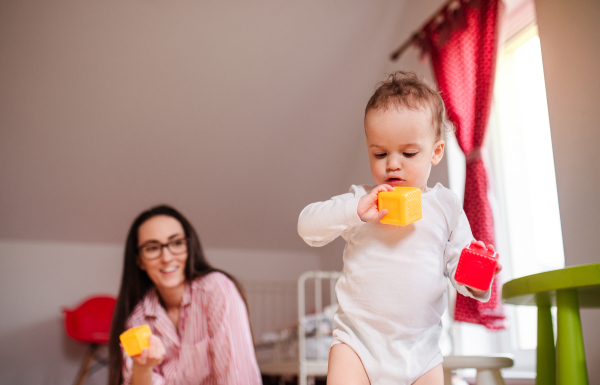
pixel 39 278
pixel 569 35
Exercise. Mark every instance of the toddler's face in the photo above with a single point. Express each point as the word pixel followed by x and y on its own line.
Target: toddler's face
pixel 402 146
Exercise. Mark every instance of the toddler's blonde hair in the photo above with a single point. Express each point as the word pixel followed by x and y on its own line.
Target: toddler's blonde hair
pixel 406 89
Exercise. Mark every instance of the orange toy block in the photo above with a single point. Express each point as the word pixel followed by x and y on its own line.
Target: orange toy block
pixel 403 204
pixel 135 340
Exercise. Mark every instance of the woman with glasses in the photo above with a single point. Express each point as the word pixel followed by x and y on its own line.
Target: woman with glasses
pixel 197 314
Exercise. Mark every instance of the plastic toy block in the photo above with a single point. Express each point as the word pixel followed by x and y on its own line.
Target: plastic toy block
pixel 476 267
pixel 403 204
pixel 135 340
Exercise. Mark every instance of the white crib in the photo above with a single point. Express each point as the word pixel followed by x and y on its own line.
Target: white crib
pixel 300 348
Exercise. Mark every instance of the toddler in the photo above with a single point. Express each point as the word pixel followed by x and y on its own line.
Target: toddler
pixel 392 291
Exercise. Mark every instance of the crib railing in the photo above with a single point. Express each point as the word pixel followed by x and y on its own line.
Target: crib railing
pixel 319 278
pixel 277 305
pixel 272 305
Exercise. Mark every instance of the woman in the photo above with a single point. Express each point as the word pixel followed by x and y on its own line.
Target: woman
pixel 197 314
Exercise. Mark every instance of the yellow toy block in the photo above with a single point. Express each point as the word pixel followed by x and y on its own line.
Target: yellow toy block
pixel 403 204
pixel 135 340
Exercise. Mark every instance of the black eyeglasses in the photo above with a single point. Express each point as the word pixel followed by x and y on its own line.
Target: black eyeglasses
pixel 154 250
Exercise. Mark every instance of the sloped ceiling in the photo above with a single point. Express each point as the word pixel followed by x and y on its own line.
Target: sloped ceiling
pixel 237 113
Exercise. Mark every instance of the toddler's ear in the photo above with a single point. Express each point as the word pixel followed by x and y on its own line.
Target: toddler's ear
pixel 438 152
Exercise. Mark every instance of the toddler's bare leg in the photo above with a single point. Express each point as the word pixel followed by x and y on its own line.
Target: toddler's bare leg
pixel 345 367
pixel 434 376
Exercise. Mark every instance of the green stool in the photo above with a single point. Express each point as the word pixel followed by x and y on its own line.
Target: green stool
pixel 568 289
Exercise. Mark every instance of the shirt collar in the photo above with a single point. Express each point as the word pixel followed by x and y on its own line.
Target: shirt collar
pixel 151 300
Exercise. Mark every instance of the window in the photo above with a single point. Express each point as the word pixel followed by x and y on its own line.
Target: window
pixel 523 195
pixel 523 167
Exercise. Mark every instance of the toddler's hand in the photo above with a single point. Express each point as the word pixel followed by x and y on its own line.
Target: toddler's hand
pixel 367 209
pixel 478 292
pixel 151 356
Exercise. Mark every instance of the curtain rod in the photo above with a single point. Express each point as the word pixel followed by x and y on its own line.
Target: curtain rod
pixel 400 50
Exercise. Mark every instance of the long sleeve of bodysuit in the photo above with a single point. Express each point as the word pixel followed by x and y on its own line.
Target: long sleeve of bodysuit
pixel 321 222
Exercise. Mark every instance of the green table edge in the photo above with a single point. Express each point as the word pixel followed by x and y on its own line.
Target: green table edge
pixel 572 277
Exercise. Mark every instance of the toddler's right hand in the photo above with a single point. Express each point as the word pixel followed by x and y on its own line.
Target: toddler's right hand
pixel 151 356
pixel 367 209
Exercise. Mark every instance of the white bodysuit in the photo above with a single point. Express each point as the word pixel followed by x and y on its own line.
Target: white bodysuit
pixel 392 292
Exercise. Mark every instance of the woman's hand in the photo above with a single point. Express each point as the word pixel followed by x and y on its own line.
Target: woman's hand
pixel 146 360
pixel 367 209
pixel 478 292
pixel 151 356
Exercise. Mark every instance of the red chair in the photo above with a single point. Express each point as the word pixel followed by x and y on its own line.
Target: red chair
pixel 90 323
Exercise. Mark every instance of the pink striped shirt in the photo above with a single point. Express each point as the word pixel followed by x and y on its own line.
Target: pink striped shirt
pixel 214 343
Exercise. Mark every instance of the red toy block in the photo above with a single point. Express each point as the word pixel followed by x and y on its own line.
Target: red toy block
pixel 476 267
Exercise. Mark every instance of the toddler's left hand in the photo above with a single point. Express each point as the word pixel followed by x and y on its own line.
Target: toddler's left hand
pixel 478 292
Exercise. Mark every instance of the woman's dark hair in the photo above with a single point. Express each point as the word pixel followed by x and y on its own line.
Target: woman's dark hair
pixel 135 283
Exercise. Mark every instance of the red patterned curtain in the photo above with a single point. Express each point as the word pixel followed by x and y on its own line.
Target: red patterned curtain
pixel 462 45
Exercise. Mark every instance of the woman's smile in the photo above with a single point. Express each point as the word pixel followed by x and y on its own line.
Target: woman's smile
pixel 169 270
